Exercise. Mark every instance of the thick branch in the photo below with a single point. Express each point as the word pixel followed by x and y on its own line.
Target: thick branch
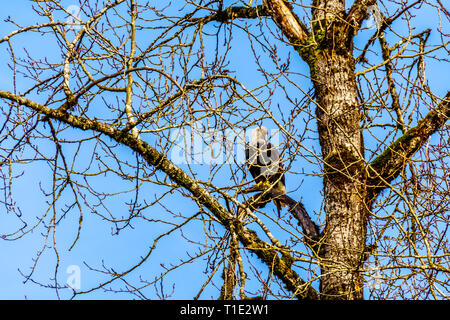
pixel 310 229
pixel 285 18
pixel 280 266
pixel 231 13
pixel 388 165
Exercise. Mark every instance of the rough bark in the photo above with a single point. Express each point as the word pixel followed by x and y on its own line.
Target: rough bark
pixel 286 20
pixel 234 12
pixel 329 55
pixel 341 142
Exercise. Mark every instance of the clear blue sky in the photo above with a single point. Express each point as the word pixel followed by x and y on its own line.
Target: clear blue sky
pixel 97 246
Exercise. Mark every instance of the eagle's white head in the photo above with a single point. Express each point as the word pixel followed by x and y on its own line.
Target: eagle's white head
pixel 258 134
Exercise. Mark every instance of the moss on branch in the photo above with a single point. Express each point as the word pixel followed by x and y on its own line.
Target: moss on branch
pixel 388 165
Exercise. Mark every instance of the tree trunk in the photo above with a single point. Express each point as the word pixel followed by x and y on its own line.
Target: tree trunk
pixel 341 142
pixel 328 50
pixel 339 118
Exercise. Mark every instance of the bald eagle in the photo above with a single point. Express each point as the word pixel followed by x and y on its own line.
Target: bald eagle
pixel 264 164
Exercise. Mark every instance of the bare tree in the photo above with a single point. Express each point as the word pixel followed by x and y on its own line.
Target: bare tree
pixel 153 102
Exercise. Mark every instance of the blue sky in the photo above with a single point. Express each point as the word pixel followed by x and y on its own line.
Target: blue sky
pixel 97 245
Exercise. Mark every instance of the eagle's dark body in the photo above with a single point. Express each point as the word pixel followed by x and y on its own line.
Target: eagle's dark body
pixel 264 163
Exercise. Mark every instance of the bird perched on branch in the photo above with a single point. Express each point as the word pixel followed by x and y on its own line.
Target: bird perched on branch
pixel 264 164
